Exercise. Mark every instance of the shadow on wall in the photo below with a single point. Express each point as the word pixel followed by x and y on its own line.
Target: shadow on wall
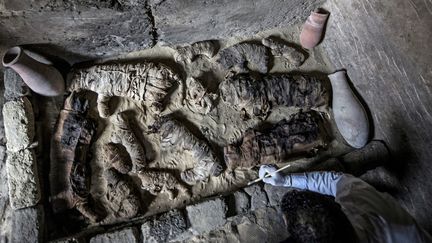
pixel 58 55
pixel 401 151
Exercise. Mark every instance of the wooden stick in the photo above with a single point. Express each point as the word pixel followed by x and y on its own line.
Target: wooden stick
pixel 268 175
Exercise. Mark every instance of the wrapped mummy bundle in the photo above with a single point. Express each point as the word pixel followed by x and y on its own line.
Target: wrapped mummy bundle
pixel 123 197
pixel 147 82
pixel 188 53
pixel 198 99
pixel 301 134
pixel 157 181
pixel 280 49
pixel 243 57
pixel 123 134
pixel 69 171
pixel 173 134
pixel 257 95
pixel 117 157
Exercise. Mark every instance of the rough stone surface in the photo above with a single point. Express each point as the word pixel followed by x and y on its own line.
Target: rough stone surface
pixel 23 179
pixel 262 225
pixel 14 85
pixel 19 124
pixel 27 225
pixel 5 208
pixel 242 202
pixel 382 179
pixel 205 20
pixel 269 226
pixel 164 227
pixel 383 45
pixel 77 29
pixel 275 193
pixel 258 196
pixel 68 240
pixel 128 235
pixel 207 215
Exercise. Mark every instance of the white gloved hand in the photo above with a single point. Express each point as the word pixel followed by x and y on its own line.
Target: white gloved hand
pixel 276 179
pixel 323 182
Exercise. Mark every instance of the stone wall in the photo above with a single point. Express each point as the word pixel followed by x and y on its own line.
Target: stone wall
pixel 79 30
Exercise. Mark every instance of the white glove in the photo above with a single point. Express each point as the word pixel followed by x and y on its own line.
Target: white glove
pixel 322 182
pixel 276 179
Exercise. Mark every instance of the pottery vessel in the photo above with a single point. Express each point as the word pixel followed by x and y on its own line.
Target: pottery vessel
pixel 312 30
pixel 349 114
pixel 42 78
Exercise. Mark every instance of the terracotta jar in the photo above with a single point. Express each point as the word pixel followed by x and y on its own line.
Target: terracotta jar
pixel 349 114
pixel 42 78
pixel 313 29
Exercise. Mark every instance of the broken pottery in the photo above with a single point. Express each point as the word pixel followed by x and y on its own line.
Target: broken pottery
pixel 313 28
pixel 349 114
pixel 41 78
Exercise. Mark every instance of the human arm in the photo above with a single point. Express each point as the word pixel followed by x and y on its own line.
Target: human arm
pixel 375 216
pixel 323 182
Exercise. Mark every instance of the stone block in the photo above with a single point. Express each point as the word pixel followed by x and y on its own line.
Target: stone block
pixel 14 85
pixel 69 240
pixel 271 221
pixel 188 21
pixel 251 232
pixel 27 225
pixel 242 202
pixel 275 193
pixel 19 124
pixel 164 227
pixel 23 179
pixel 128 235
pixel 258 196
pixel 207 216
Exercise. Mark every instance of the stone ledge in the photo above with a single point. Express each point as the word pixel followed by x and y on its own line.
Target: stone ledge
pixel 23 181
pixel 19 124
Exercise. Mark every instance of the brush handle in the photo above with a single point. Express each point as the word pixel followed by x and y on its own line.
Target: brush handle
pixel 268 175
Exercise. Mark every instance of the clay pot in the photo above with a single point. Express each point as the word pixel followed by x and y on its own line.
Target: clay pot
pixel 349 114
pixel 313 28
pixel 42 78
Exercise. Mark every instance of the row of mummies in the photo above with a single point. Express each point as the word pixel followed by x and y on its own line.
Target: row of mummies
pixel 150 84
